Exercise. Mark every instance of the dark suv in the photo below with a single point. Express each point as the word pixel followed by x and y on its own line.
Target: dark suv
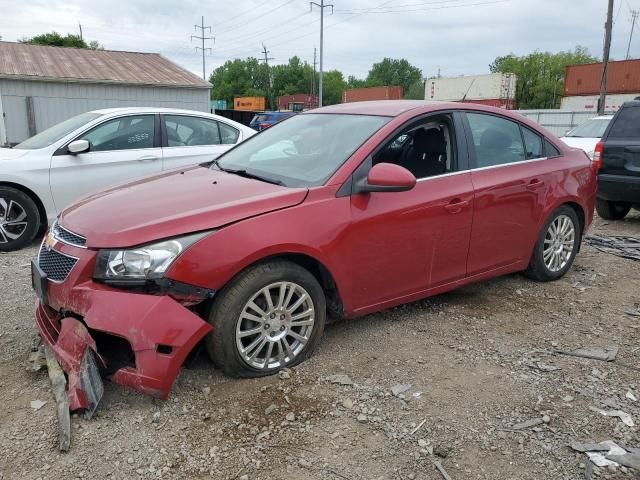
pixel 619 155
pixel 267 119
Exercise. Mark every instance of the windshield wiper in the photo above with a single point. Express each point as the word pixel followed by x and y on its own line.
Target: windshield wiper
pixel 243 173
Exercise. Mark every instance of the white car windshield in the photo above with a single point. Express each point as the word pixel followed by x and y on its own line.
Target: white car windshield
pixel 593 128
pixel 53 134
pixel 303 151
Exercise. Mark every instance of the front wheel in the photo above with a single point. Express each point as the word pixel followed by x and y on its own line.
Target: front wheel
pixel 19 219
pixel 269 317
pixel 612 210
pixel 556 247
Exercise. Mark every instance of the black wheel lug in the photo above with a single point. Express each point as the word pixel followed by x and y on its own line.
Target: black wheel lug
pixel 273 315
pixel 267 326
pixel 273 334
pixel 282 328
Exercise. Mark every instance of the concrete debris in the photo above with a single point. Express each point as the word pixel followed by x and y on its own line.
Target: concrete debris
pixel 589 447
pixel 347 403
pixel 362 418
pixel 625 417
pixel 156 417
pixel 630 460
pixel 442 471
pixel 528 424
pixel 631 396
pixel 37 360
pixel 284 374
pixel 339 379
pixel 543 367
pixel 270 409
pixel 633 313
pixel 601 459
pixel 606 354
pixel 37 404
pixel 290 417
pixel 400 388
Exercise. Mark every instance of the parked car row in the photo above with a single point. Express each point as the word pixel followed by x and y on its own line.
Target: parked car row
pixel 340 211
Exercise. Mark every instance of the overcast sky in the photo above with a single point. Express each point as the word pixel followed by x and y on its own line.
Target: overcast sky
pixel 457 36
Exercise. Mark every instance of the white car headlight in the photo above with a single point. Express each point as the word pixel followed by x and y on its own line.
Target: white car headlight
pixel 135 266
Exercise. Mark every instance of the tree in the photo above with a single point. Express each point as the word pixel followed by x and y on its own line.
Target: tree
pixel 239 78
pixel 57 40
pixel 394 72
pixel 333 85
pixel 415 91
pixel 540 75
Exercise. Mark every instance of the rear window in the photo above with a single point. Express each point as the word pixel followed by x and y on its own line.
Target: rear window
pixel 626 124
pixel 261 118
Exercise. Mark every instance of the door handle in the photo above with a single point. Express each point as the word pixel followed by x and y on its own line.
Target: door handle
pixel 535 184
pixel 456 205
pixel 148 158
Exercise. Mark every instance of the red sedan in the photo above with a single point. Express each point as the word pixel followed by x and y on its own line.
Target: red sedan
pixel 341 211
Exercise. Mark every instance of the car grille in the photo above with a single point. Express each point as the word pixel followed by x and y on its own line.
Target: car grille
pixel 55 265
pixel 64 235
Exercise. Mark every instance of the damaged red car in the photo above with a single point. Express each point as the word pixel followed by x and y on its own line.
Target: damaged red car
pixel 340 211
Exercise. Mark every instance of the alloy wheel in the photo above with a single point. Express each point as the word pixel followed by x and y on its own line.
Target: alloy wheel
pixel 559 243
pixel 13 220
pixel 275 325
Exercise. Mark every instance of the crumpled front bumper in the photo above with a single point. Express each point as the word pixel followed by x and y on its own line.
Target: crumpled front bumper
pixel 82 315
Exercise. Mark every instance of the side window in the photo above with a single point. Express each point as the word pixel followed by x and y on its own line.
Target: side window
pixel 550 150
pixel 626 124
pixel 124 133
pixel 229 134
pixel 532 143
pixel 184 131
pixel 425 149
pixel 497 140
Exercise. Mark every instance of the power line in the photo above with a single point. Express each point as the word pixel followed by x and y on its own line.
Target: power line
pixel 258 17
pixel 432 8
pixel 372 9
pixel 203 38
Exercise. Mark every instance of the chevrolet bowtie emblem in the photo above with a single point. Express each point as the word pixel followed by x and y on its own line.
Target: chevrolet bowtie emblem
pixel 50 241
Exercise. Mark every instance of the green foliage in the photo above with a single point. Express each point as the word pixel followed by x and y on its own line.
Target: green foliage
pixel 540 75
pixel 333 84
pixel 415 91
pixel 57 40
pixel 392 71
pixel 239 78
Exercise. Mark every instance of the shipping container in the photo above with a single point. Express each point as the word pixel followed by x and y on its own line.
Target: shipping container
pixel 256 104
pixel 504 103
pixel 372 93
pixel 589 103
pixel 623 77
pixel 297 102
pixel 473 87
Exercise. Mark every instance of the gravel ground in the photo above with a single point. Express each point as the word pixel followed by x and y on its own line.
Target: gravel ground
pixel 387 396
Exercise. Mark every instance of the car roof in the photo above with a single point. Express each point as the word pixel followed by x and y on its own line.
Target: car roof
pixel 107 111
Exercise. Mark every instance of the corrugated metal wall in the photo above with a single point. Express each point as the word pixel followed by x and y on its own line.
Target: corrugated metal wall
pixel 54 102
pixel 557 122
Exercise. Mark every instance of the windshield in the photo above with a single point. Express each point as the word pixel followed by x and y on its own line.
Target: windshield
pixel 58 131
pixel 593 128
pixel 303 151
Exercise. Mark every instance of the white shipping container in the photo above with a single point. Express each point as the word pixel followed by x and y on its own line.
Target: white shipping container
pixel 589 103
pixel 472 87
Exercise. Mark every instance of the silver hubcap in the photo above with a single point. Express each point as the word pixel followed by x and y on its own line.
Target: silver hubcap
pixel 275 325
pixel 13 220
pixel 558 243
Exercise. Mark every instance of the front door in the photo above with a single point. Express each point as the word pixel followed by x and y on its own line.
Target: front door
pixel 120 149
pixel 406 243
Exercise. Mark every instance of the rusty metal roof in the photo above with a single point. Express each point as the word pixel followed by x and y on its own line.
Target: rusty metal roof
pixel 41 62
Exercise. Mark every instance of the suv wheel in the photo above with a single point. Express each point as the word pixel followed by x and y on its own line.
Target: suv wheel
pixel 269 317
pixel 556 247
pixel 19 219
pixel 612 210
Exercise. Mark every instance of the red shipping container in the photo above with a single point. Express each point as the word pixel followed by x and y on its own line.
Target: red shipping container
pixel 505 103
pixel 308 101
pixel 372 93
pixel 623 77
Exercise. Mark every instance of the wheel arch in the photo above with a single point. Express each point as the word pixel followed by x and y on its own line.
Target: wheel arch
pixel 44 223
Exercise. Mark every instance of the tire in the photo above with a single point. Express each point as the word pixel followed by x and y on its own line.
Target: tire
pixel 541 266
pixel 612 210
pixel 19 219
pixel 224 343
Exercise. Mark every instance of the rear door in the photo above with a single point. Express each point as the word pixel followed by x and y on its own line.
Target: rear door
pixel 621 154
pixel 511 178
pixel 188 140
pixel 121 149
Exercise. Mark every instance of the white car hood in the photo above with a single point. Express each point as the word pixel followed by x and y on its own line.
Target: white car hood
pixel 12 153
pixel 586 144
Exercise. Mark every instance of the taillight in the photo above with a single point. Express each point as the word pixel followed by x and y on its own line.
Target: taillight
pixel 596 161
pixel 262 126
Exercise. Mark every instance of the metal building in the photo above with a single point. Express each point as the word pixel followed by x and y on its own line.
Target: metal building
pixel 43 85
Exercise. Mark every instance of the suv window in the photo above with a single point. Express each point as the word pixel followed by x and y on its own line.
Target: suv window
pixel 532 143
pixel 626 124
pixel 229 135
pixel 123 133
pixel 497 140
pixel 184 131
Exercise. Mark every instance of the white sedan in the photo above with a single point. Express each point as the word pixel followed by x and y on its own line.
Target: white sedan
pixel 42 175
pixel 586 135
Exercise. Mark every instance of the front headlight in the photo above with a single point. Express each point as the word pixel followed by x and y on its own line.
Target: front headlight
pixel 137 265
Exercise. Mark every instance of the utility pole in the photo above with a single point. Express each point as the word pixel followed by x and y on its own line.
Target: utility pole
pixel 80 25
pixel 605 58
pixel 203 39
pixel 322 6
pixel 313 77
pixel 634 16
pixel 266 59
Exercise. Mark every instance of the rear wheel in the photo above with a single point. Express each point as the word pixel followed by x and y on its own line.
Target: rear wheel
pixel 269 317
pixel 612 210
pixel 556 247
pixel 19 219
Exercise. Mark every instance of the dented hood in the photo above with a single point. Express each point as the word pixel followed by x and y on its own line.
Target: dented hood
pixel 172 204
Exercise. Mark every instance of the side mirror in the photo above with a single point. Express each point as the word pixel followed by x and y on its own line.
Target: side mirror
pixel 78 146
pixel 387 177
